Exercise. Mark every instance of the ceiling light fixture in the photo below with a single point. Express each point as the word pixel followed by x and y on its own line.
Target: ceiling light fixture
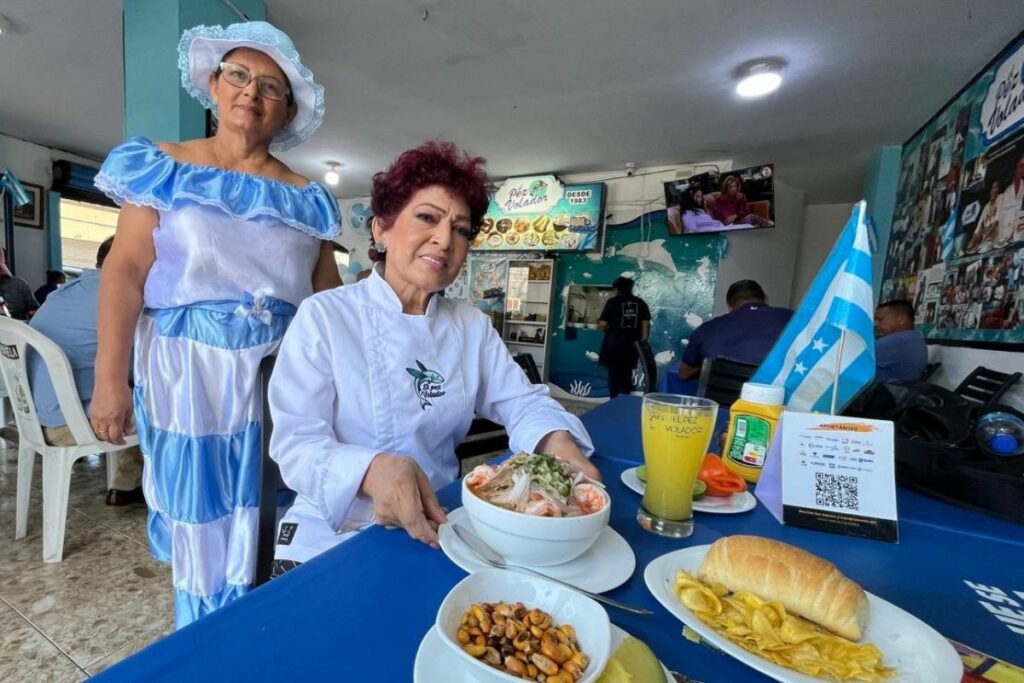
pixel 759 78
pixel 5 25
pixel 332 177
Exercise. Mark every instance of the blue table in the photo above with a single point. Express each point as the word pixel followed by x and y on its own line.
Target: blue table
pixel 360 610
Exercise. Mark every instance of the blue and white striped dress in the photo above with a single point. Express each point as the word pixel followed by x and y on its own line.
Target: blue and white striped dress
pixel 235 255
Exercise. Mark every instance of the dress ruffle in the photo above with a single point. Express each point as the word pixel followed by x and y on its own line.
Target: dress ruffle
pixel 139 172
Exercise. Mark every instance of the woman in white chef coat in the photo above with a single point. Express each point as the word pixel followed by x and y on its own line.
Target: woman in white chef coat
pixel 377 382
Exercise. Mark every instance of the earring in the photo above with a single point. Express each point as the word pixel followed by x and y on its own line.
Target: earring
pixel 380 247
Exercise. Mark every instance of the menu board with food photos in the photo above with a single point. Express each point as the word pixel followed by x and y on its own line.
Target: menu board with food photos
pixel 539 213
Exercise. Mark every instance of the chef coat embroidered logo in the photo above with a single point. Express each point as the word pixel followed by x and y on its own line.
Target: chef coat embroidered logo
pixel 427 384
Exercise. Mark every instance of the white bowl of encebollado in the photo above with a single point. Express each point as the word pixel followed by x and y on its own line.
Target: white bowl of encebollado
pixel 535 510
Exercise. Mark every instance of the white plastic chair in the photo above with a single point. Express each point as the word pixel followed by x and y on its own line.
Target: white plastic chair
pixel 15 339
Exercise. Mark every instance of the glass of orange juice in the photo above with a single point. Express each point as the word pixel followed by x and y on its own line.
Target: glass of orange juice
pixel 676 433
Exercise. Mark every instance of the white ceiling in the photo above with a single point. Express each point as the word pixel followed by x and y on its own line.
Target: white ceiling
pixel 556 85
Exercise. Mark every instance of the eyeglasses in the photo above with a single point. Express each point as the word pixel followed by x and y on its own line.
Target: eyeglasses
pixel 240 77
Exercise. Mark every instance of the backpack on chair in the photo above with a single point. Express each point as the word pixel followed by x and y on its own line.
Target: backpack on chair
pixel 936 449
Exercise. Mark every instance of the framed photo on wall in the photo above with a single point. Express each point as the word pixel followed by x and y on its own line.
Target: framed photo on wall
pixel 31 215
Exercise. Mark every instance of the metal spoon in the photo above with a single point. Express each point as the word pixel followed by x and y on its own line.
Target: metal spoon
pixel 493 558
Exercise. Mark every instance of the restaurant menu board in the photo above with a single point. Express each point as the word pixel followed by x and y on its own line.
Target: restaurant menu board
pixel 539 213
pixel 957 245
pixel 832 473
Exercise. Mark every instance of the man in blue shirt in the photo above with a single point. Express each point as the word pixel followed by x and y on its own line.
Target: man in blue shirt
pixel 746 333
pixel 901 353
pixel 69 318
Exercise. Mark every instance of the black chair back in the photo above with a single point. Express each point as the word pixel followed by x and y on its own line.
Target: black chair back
pixel 929 370
pixel 529 366
pixel 985 387
pixel 647 366
pixel 722 379
pixel 270 482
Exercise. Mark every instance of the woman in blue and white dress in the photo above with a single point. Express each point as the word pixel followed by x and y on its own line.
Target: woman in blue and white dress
pixel 217 244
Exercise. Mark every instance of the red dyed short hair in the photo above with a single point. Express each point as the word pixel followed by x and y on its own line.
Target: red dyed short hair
pixel 433 163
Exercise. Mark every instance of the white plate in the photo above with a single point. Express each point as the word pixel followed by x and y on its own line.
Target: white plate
pixel 722 505
pixel 436 663
pixel 917 652
pixel 606 565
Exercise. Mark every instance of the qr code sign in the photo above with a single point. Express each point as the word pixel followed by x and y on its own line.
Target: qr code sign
pixel 836 491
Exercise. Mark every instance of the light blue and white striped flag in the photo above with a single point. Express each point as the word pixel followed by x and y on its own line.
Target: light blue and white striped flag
pixel 804 359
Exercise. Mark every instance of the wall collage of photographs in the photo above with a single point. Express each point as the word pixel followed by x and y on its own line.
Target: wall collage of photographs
pixel 957 244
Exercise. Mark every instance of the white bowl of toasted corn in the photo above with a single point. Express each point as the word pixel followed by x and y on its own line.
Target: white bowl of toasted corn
pixel 512 627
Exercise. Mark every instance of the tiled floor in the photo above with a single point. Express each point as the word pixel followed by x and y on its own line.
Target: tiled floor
pixel 105 601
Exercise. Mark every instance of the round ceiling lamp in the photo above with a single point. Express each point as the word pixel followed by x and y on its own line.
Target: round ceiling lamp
pixel 332 177
pixel 759 78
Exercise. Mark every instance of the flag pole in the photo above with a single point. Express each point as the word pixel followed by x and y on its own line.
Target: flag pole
pixel 839 363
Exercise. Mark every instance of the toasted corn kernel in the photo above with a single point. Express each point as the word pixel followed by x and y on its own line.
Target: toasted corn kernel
pixel 492 656
pixel 544 664
pixel 581 660
pixel 573 669
pixel 462 636
pixel 475 650
pixel 515 665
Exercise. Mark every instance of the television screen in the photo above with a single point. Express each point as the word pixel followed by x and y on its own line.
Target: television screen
pixel 742 199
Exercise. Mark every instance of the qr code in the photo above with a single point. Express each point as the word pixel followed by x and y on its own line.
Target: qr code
pixel 836 491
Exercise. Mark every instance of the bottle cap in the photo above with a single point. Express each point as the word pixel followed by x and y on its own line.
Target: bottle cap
pixel 1004 444
pixel 765 394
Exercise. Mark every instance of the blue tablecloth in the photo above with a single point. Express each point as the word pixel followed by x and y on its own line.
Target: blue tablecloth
pixel 359 611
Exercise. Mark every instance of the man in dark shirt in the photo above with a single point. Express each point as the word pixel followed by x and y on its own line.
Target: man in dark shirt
pixel 746 333
pixel 901 353
pixel 626 319
pixel 16 292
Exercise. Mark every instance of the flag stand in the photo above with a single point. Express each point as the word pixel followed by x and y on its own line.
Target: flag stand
pixel 839 363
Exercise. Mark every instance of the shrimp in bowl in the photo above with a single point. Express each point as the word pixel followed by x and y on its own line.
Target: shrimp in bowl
pixel 535 510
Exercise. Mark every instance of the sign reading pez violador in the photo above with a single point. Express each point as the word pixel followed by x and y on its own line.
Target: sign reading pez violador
pixel 1003 108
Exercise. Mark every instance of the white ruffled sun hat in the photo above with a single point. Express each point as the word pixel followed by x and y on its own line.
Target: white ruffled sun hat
pixel 203 47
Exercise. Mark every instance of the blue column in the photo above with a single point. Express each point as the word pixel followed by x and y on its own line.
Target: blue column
pixel 155 104
pixel 880 192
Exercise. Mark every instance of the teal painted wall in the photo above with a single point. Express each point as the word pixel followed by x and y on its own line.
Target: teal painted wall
pixel 674 275
pixel 155 104
pixel 880 186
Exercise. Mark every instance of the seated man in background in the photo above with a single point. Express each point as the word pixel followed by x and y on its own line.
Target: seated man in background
pixel 69 319
pixel 746 333
pixel 900 351
pixel 16 293
pixel 54 279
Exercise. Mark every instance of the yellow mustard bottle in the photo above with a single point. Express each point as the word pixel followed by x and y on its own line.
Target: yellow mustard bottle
pixel 752 423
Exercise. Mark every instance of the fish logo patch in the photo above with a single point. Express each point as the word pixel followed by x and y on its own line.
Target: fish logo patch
pixel 427 384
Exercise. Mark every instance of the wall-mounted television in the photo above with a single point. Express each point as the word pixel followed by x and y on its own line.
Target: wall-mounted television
pixel 743 199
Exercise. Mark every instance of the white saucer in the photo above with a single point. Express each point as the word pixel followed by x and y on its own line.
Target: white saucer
pixel 731 505
pixel 437 663
pixel 606 565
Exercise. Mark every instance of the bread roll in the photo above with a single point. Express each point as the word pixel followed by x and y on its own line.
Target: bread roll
pixel 803 583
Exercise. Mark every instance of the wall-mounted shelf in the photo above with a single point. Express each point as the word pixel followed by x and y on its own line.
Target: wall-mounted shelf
pixel 526 295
